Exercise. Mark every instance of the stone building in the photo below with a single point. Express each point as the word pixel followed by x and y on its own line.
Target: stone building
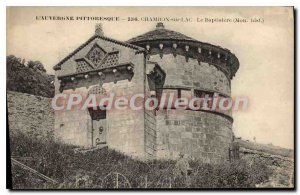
pixel 157 62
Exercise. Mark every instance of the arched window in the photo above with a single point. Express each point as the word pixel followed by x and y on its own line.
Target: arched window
pixel 97 90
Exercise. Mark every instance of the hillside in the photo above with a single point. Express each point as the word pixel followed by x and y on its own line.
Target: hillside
pixel 100 168
pixel 28 79
pixel 270 149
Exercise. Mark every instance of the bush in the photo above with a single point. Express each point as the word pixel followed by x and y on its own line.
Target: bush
pixel 238 174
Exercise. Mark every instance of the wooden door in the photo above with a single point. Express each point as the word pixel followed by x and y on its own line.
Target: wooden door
pixel 99 127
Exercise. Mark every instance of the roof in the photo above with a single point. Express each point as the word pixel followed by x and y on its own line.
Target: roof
pixel 58 66
pixel 160 33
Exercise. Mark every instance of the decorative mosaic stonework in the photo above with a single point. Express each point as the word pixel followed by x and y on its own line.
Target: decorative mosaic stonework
pixel 111 60
pixel 97 58
pixel 83 66
pixel 96 55
pixel 97 90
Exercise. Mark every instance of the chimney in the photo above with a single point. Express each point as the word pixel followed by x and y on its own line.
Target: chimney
pixel 160 25
pixel 99 30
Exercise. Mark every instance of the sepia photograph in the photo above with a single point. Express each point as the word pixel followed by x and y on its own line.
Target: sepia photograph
pixel 150 98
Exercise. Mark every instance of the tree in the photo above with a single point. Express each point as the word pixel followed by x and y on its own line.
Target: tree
pixel 36 65
pixel 31 79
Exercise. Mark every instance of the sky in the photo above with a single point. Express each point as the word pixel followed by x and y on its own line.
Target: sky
pixel 265 51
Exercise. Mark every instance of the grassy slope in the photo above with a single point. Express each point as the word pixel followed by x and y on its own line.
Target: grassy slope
pixel 275 150
pixel 61 163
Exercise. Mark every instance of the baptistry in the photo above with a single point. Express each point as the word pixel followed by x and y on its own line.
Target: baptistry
pixel 158 62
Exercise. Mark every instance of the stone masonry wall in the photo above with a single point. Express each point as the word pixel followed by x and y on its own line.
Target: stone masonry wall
pixel 150 127
pixel 202 135
pixel 192 74
pixel 29 114
pixel 150 133
pixel 125 128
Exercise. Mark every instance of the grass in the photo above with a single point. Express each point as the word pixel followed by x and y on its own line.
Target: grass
pixel 100 168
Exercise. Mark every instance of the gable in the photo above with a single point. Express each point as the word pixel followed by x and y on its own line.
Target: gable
pixel 97 58
pixel 95 53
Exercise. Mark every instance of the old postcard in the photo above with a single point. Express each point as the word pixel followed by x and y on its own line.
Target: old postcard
pixel 150 97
